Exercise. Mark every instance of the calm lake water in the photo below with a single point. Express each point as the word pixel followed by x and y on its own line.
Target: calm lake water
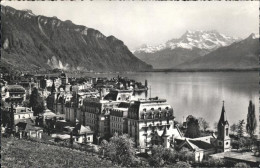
pixel 201 93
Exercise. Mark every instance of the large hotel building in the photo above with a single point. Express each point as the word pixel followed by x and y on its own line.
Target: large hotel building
pixel 151 122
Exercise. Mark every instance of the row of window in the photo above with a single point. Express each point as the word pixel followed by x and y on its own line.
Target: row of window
pixel 132 123
pixel 152 109
pixel 89 121
pixel 91 109
pixel 77 138
pixel 114 131
pixel 118 119
pixel 23 116
pixel 90 115
pixel 116 125
pixel 15 95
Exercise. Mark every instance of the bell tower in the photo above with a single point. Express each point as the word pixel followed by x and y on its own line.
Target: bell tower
pixel 223 139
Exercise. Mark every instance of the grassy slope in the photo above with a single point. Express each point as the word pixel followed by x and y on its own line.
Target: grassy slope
pixel 22 153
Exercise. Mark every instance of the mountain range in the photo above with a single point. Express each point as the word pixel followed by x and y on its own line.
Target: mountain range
pixel 194 47
pixel 31 42
pixel 239 55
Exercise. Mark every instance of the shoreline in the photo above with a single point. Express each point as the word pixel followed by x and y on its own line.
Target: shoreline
pixel 204 70
pixel 158 70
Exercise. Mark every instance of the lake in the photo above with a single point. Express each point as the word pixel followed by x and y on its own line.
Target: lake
pixel 201 93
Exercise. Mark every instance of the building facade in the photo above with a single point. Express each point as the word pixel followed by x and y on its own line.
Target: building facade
pixel 22 113
pixel 14 94
pixel 95 113
pixel 151 122
pixel 118 121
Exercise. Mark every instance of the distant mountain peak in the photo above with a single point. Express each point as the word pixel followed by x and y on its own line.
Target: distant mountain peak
pixel 202 39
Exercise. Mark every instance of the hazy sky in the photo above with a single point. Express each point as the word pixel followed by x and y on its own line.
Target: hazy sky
pixel 138 23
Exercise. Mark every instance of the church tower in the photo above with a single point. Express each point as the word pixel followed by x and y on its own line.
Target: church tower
pixel 223 139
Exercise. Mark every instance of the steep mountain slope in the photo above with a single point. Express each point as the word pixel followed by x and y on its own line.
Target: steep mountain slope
pixel 191 45
pixel 33 42
pixel 239 55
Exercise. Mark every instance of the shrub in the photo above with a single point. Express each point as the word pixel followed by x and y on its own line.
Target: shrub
pixel 185 155
pixel 241 165
pixel 180 164
pixel 161 156
pixel 213 163
pixel 120 149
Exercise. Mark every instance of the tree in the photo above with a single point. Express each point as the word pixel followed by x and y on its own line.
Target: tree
pixel 3 104
pixel 251 119
pixel 185 155
pixel 120 149
pixel 241 165
pixel 181 164
pixel 204 125
pixel 5 114
pixel 36 102
pixel 53 87
pixel 193 128
pixel 6 117
pixel 240 128
pixel 157 159
pixel 242 142
pixel 26 103
pixel 50 100
pixel 162 156
pixel 213 163
pixel 234 128
pixel 11 126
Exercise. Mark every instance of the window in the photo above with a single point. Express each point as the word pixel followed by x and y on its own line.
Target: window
pixel 226 131
pixel 219 143
pixel 226 143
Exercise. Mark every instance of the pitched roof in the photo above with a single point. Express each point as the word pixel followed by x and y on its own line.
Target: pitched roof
pixel 80 129
pixel 201 144
pixel 27 126
pixel 195 144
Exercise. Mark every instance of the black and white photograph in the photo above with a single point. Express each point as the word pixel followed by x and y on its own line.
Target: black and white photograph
pixel 130 84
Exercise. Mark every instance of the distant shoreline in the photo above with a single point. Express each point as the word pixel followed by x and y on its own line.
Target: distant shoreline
pixel 202 70
pixel 159 70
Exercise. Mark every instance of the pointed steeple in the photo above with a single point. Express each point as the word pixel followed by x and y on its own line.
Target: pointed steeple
pixel 223 117
pixel 223 139
pixel 222 123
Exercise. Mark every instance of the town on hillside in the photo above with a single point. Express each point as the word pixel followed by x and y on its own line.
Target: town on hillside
pixel 93 114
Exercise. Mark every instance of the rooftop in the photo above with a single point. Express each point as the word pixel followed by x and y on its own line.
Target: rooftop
pixel 15 88
pixel 120 109
pixel 238 156
pixel 155 100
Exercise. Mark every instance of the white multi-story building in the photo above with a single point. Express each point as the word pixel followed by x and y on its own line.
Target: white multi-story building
pixel 22 113
pixel 151 122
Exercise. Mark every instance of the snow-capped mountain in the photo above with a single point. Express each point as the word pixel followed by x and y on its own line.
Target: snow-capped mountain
pixel 240 55
pixel 209 40
pixel 191 45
